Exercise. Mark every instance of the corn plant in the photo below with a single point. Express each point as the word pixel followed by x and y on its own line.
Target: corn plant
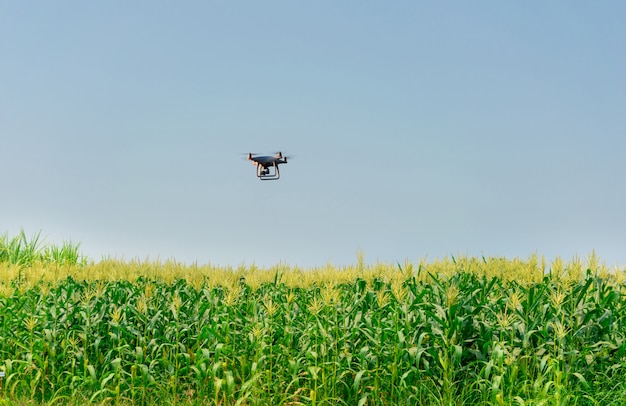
pixel 461 331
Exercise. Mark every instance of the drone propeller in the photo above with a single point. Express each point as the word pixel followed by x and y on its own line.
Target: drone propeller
pixel 248 155
pixel 280 155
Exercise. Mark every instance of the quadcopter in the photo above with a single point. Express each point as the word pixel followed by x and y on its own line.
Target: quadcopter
pixel 263 164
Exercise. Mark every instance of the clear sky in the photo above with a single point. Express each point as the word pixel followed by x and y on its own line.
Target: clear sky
pixel 419 129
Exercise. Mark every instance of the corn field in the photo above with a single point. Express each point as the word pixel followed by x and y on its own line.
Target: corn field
pixel 464 331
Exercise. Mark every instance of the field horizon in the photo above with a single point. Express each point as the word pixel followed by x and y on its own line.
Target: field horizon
pixel 456 331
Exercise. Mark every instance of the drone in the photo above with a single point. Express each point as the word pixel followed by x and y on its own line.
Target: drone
pixel 263 164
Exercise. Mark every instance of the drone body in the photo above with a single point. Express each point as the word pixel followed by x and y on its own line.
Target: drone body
pixel 263 164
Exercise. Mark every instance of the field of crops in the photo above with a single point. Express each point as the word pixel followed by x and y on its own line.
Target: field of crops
pixel 455 331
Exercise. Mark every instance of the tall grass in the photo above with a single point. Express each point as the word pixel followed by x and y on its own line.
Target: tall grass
pixel 22 250
pixel 460 331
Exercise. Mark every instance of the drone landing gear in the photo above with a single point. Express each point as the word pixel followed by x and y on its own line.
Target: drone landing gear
pixel 265 173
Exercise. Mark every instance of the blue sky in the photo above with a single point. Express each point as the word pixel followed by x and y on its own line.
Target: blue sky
pixel 418 129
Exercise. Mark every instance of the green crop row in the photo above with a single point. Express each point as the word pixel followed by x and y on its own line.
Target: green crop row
pixel 461 338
